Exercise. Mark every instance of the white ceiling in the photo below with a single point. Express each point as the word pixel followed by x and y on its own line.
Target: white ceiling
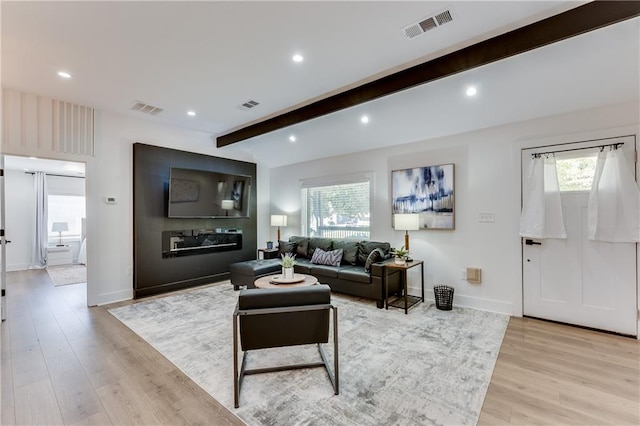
pixel 213 56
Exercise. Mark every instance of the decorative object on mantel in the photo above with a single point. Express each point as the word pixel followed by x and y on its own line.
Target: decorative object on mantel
pixel 288 260
pixel 427 191
pixel 59 227
pixel 400 255
pixel 278 220
pixel 406 222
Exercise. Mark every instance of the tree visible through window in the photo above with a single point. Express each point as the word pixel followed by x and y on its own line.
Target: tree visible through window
pixel 576 174
pixel 337 211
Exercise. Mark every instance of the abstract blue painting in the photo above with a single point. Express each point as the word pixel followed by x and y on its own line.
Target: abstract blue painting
pixel 428 191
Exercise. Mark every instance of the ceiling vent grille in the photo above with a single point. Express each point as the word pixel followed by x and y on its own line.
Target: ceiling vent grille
pixel 427 24
pixel 248 105
pixel 146 108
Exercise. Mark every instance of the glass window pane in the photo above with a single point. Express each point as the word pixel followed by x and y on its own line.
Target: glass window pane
pixel 576 174
pixel 69 209
pixel 337 211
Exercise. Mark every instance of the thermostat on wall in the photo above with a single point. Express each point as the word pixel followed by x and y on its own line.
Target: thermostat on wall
pixel 110 200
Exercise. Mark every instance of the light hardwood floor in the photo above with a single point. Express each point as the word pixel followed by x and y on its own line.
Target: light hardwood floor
pixel 64 363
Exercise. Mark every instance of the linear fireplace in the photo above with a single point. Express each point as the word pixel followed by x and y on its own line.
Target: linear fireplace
pixel 197 241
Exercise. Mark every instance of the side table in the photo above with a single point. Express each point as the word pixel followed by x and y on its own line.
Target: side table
pixel 406 300
pixel 268 253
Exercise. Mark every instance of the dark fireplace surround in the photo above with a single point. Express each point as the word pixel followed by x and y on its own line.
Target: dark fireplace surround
pixel 176 253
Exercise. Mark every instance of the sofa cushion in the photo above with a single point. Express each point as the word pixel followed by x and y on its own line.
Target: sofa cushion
pixel 375 256
pixel 324 271
pixel 349 250
pixel 331 258
pixel 354 273
pixel 255 267
pixel 302 266
pixel 285 247
pixel 366 247
pixel 302 246
pixel 325 244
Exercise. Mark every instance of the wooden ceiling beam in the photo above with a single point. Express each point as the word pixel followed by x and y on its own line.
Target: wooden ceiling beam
pixel 571 23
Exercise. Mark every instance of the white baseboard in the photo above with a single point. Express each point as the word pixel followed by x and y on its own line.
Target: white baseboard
pixel 116 296
pixel 469 302
pixel 17 267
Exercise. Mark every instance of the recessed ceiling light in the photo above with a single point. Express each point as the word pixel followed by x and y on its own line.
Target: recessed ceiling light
pixel 33 158
pixel 364 119
pixel 471 91
pixel 292 139
pixel 298 58
pixel 64 74
pixel 191 113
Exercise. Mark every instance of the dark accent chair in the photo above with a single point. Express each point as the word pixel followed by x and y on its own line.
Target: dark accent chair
pixel 269 318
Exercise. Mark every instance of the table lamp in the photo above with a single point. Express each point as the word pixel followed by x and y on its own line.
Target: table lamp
pixel 59 227
pixel 406 222
pixel 278 220
pixel 226 206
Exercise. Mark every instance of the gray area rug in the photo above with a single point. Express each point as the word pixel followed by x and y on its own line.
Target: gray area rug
pixel 428 367
pixel 67 274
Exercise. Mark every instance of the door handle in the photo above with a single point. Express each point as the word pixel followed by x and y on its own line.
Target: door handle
pixel 530 242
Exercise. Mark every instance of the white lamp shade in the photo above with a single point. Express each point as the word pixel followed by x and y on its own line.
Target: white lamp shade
pixel 406 221
pixel 227 204
pixel 59 227
pixel 278 220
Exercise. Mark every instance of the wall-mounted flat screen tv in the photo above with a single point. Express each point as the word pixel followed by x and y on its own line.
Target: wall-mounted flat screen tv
pixel 207 194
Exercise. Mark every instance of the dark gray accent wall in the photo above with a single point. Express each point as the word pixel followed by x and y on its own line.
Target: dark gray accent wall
pixel 153 273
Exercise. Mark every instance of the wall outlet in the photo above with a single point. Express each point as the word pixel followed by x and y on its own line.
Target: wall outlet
pixel 463 274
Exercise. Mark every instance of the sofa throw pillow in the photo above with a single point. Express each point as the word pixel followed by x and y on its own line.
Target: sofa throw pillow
pixel 325 244
pixel 302 246
pixel 366 247
pixel 285 247
pixel 376 255
pixel 331 258
pixel 349 250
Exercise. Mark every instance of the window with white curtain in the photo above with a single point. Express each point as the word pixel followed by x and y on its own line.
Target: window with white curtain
pixel 66 203
pixel 69 209
pixel 337 207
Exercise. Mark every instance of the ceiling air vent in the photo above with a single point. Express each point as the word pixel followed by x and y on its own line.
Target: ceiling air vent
pixel 248 105
pixel 146 108
pixel 429 23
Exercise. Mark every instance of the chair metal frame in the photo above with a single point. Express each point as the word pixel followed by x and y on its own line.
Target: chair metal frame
pixel 238 376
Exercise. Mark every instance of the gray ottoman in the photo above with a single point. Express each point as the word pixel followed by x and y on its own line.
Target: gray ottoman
pixel 245 273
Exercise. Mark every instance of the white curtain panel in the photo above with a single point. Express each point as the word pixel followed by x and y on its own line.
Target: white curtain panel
pixel 614 201
pixel 41 237
pixel 542 211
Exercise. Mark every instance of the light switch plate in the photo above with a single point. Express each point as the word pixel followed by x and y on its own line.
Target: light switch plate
pixel 487 217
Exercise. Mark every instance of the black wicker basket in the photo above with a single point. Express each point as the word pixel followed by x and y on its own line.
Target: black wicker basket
pixel 444 297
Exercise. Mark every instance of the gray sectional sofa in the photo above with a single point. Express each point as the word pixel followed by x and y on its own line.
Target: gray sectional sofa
pixel 360 272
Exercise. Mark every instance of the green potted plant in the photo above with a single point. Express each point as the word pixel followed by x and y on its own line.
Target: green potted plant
pixel 400 255
pixel 288 260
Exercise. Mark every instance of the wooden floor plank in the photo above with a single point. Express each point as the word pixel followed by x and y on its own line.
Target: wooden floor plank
pixel 64 363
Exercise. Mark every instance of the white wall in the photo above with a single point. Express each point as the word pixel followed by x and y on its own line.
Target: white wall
pixel 109 174
pixel 20 217
pixel 487 173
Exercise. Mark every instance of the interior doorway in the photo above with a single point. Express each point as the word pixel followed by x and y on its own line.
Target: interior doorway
pixel 575 280
pixel 53 236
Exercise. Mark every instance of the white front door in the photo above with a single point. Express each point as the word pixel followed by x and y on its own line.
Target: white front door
pixel 575 280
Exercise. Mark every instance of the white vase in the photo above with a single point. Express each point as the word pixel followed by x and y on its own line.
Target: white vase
pixel 399 260
pixel 287 273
